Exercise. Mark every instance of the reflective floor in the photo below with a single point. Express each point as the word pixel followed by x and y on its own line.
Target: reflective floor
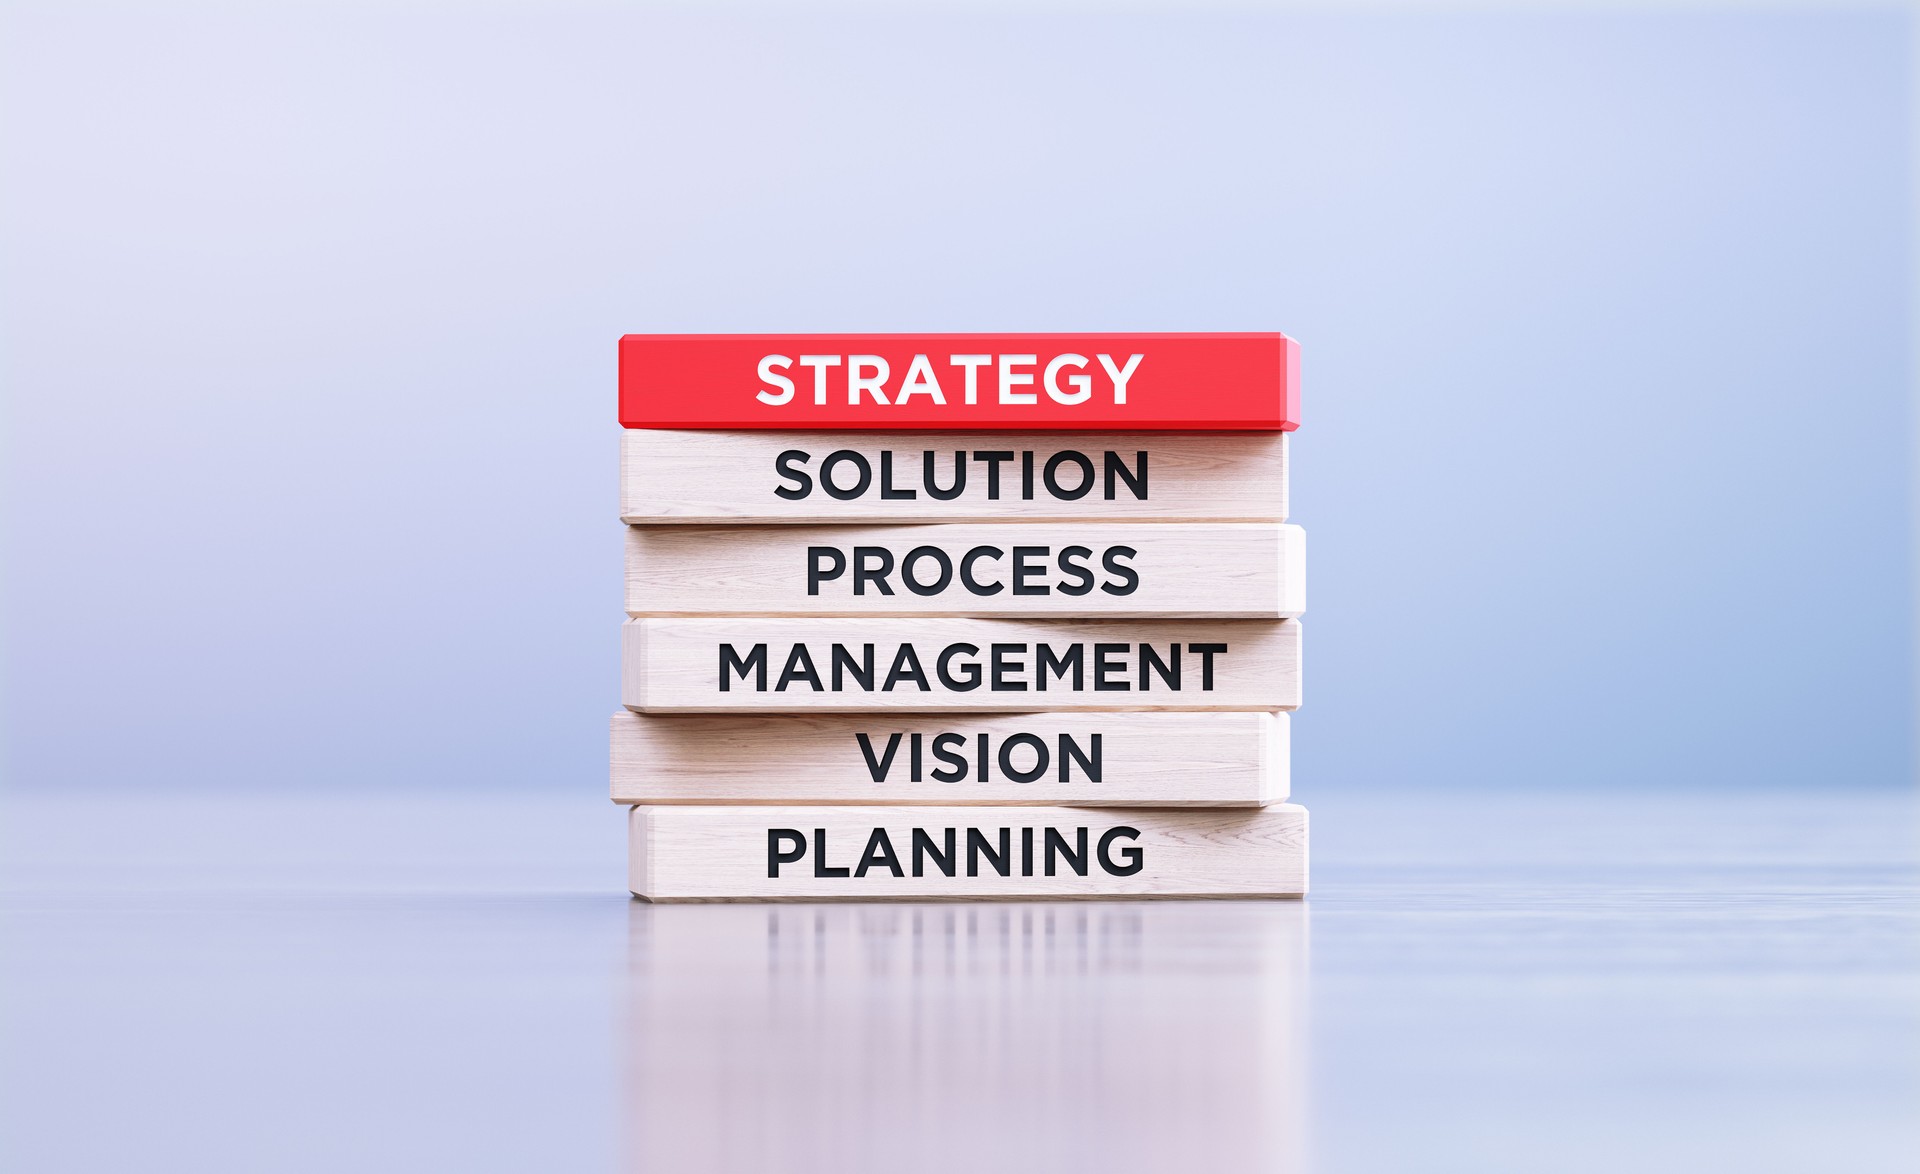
pixel 1496 982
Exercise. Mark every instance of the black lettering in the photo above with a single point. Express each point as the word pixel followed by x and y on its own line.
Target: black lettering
pixel 877 574
pixel 1026 851
pixel 944 857
pixel 1022 570
pixel 959 478
pixel 1076 855
pixel 879 852
pixel 1150 662
pixel 1071 750
pixel 799 667
pixel 887 491
pixel 784 465
pixel 755 660
pixel 906 667
pixel 1136 480
pixel 1040 758
pixel 862 672
pixel 1111 561
pixel 1134 855
pixel 1206 652
pixel 1083 577
pixel 980 756
pixel 937 555
pixel 820 855
pixel 1103 666
pixel 817 572
pixel 966 570
pixel 957 763
pixel 1026 476
pixel 1001 861
pixel 879 767
pixel 993 460
pixel 775 856
pixel 1002 666
pixel 849 457
pixel 972 680
pixel 1045 661
pixel 1078 459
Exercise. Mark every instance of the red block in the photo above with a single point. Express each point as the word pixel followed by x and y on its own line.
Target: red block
pixel 1112 382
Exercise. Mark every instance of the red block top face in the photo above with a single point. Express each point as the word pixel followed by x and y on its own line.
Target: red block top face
pixel 1109 382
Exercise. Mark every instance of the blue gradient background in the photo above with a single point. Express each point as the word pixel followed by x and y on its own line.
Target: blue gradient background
pixel 310 319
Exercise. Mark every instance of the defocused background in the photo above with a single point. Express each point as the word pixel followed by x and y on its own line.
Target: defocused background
pixel 310 318
pixel 312 583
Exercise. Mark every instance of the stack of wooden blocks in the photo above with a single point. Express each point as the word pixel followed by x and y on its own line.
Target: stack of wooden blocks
pixel 959 616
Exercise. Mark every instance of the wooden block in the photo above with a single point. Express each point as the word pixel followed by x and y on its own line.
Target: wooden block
pixel 981 853
pixel 950 665
pixel 1062 759
pixel 949 381
pixel 866 477
pixel 1138 571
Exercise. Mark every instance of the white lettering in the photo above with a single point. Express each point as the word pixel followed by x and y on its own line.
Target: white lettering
pixel 1052 380
pixel 972 363
pixel 1008 379
pixel 1064 378
pixel 1120 377
pixel 920 381
pixel 819 363
pixel 857 383
pixel 775 399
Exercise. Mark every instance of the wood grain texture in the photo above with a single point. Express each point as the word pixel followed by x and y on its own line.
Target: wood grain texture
pixel 1135 571
pixel 727 853
pixel 673 476
pixel 1142 759
pixel 953 665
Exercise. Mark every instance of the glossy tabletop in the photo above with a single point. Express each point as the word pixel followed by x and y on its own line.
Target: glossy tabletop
pixel 1478 983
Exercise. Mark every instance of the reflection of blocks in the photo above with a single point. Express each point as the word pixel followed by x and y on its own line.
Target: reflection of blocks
pixel 996 654
pixel 895 1017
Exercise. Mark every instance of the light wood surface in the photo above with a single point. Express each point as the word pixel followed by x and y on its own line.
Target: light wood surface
pixel 1111 759
pixel 669 476
pixel 726 853
pixel 1229 571
pixel 789 665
